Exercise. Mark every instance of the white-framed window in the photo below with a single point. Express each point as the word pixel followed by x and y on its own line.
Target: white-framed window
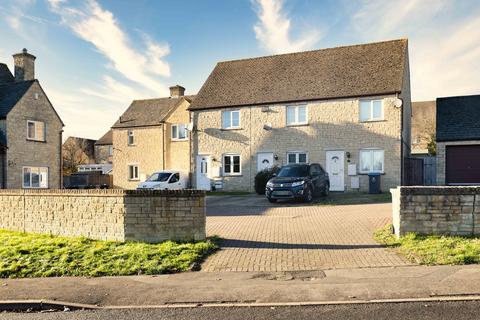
pixel 297 115
pixel 35 177
pixel 179 132
pixel 110 151
pixel 131 138
pixel 297 157
pixel 232 164
pixel 35 130
pixel 371 110
pixel 133 172
pixel 371 160
pixel 231 119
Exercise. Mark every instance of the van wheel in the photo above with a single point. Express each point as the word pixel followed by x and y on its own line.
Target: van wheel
pixel 308 195
pixel 272 200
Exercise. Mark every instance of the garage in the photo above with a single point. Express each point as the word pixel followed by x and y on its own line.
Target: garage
pixel 463 164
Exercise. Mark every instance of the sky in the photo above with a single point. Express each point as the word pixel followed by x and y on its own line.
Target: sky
pixel 94 57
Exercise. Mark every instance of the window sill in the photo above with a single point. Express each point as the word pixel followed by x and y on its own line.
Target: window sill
pixel 366 173
pixel 33 140
pixel 369 121
pixel 178 140
pixel 131 145
pixel 231 129
pixel 232 175
pixel 298 125
pixel 133 179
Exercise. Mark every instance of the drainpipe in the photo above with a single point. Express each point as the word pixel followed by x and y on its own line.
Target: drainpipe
pixel 163 145
pixel 60 169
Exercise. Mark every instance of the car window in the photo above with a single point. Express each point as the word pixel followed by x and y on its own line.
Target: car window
pixel 293 171
pixel 314 170
pixel 175 178
pixel 159 177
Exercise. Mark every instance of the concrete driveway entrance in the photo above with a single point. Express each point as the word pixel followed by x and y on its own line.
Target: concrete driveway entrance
pixel 258 236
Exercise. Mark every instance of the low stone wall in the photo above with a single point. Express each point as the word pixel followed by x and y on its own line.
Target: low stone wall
pixel 436 210
pixel 151 216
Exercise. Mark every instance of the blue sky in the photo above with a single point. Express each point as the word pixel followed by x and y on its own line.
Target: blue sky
pixel 94 57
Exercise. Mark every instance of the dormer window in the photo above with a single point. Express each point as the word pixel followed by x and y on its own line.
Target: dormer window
pixel 35 130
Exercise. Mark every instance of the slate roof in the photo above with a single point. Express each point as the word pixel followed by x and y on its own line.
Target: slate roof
pixel 106 139
pixel 11 93
pixel 350 71
pixel 5 74
pixel 458 118
pixel 148 112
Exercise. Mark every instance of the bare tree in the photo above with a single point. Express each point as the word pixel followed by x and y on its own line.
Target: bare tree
pixel 75 152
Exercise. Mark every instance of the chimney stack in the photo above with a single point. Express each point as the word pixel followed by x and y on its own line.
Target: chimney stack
pixel 177 91
pixel 24 66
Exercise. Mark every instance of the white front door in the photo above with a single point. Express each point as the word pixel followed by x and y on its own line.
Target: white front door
pixel 203 171
pixel 335 170
pixel 264 160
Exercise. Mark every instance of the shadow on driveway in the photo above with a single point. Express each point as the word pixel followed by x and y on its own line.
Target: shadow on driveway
pixel 235 243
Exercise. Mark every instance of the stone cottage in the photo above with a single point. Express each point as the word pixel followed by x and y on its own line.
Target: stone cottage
pixel 347 108
pixel 104 148
pixel 30 129
pixel 151 135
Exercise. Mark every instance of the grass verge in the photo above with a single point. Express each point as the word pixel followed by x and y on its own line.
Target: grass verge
pixel 24 255
pixel 432 250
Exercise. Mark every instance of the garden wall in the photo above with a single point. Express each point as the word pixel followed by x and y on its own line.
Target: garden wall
pixel 436 210
pixel 152 216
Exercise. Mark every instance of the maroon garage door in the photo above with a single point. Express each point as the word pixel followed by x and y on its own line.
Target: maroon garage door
pixel 463 164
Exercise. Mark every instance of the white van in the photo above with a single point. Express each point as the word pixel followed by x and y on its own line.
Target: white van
pixel 166 180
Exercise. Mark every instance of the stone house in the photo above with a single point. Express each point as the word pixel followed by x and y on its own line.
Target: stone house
pixel 458 140
pixel 151 135
pixel 423 126
pixel 30 129
pixel 104 148
pixel 347 108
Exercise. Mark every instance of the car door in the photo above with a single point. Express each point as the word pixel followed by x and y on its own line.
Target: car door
pixel 315 176
pixel 174 182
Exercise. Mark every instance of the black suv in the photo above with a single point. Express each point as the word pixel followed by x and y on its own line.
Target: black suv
pixel 298 181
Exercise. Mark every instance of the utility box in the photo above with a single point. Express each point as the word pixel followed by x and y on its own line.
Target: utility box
pixel 374 183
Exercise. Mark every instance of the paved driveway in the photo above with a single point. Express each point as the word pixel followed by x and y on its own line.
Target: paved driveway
pixel 259 236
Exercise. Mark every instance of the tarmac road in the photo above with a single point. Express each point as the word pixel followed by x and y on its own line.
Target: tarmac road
pixel 457 310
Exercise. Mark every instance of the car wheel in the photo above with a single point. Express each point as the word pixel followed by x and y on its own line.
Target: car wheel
pixel 272 200
pixel 326 190
pixel 308 195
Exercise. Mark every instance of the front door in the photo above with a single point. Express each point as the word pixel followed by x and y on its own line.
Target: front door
pixel 203 171
pixel 264 160
pixel 335 170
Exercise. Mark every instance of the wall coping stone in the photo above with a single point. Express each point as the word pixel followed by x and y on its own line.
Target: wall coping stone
pixel 103 192
pixel 437 190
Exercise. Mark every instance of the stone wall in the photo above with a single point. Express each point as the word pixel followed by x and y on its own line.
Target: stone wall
pixel 332 125
pixel 151 216
pixel 436 210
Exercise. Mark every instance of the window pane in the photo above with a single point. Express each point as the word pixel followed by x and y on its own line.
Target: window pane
pixel 227 163
pixel 290 115
pixel 235 118
pixel 377 109
pixel 236 164
pixel 35 178
pixel 174 132
pixel 302 157
pixel 364 110
pixel 378 160
pixel 182 133
pixel 43 177
pixel 135 172
pixel 39 128
pixel 302 114
pixel 130 172
pixel 26 177
pixel 365 161
pixel 31 130
pixel 292 158
pixel 226 119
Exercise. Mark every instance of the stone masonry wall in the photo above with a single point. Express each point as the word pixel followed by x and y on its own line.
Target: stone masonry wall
pixel 436 210
pixel 151 216
pixel 332 125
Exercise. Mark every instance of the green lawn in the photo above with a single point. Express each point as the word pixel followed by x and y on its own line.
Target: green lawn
pixel 432 250
pixel 31 255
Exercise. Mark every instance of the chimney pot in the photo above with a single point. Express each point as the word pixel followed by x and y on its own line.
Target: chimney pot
pixel 177 91
pixel 24 66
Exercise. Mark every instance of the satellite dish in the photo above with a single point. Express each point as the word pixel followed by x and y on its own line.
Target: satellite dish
pixel 398 103
pixel 190 126
pixel 267 126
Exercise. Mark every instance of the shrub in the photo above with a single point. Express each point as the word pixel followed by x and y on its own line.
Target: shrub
pixel 262 178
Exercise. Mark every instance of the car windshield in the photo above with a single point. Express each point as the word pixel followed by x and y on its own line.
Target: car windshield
pixel 160 177
pixel 293 171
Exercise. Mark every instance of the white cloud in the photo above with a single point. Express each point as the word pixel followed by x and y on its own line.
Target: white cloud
pixel 273 29
pixel 99 27
pixel 444 49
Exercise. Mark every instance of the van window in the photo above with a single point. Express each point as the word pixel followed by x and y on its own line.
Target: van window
pixel 175 178
pixel 159 177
